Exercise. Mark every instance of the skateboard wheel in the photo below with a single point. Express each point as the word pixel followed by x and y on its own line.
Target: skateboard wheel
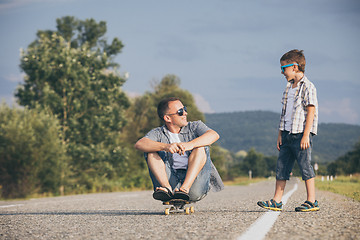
pixel 167 211
pixel 187 211
pixel 192 209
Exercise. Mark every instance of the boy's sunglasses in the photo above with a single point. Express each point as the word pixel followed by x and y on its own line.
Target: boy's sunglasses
pixel 180 112
pixel 289 65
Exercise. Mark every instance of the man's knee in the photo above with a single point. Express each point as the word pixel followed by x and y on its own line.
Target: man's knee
pixel 199 153
pixel 199 190
pixel 153 156
pixel 199 150
pixel 197 197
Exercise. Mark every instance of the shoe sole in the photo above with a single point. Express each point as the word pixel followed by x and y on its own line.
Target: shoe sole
pixel 161 196
pixel 308 210
pixel 271 208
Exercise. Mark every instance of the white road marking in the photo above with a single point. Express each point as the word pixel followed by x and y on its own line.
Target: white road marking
pixel 13 205
pixel 262 225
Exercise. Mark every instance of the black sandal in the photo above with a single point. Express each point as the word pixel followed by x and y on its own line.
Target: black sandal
pixel 162 195
pixel 181 194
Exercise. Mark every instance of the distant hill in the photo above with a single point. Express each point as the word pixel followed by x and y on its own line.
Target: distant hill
pixel 259 129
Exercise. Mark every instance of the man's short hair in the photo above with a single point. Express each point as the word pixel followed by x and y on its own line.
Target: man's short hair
pixel 295 56
pixel 163 106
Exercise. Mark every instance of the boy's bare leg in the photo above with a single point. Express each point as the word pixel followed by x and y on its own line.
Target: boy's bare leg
pixel 157 167
pixel 310 189
pixel 197 160
pixel 279 190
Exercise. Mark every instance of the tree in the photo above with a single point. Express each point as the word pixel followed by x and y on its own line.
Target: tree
pixel 346 164
pixel 256 163
pixel 222 159
pixel 32 156
pixel 72 72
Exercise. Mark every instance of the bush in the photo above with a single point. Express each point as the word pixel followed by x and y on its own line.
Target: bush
pixel 32 155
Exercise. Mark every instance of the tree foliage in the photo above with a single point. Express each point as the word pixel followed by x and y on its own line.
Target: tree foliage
pixel 71 72
pixel 32 156
pixel 348 163
pixel 257 163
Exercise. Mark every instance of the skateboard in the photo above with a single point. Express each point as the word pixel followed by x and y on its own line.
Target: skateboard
pixel 178 206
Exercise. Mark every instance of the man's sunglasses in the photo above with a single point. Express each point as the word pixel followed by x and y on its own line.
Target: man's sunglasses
pixel 180 112
pixel 289 65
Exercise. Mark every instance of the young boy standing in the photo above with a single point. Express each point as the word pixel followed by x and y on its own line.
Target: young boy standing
pixel 298 124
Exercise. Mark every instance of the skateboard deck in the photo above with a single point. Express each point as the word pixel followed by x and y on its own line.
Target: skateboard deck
pixel 178 206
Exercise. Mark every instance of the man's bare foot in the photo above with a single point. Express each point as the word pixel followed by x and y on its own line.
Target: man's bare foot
pixel 181 190
pixel 181 194
pixel 165 189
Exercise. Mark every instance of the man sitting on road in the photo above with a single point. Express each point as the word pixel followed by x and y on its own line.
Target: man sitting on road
pixel 178 155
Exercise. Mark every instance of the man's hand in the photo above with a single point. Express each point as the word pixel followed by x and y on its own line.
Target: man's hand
pixel 175 148
pixel 180 147
pixel 305 142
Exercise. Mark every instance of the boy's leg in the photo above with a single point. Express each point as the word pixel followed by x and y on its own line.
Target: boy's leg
pixel 279 190
pixel 310 189
pixel 284 166
pixel 307 171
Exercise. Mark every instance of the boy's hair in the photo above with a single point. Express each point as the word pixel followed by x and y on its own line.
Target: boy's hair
pixel 163 106
pixel 295 56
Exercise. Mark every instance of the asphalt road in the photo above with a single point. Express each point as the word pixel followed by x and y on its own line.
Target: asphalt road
pixel 135 215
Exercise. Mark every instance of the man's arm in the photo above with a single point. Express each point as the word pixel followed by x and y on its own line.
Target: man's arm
pixel 305 141
pixel 147 145
pixel 208 138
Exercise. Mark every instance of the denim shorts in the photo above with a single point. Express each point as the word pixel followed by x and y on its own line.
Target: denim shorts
pixel 290 151
pixel 199 188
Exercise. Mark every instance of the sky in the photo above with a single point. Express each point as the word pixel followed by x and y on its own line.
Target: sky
pixel 225 52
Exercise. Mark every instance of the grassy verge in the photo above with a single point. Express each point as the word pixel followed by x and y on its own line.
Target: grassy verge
pixel 344 185
pixel 244 181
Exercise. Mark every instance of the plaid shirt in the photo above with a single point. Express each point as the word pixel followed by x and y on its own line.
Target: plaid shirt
pixel 305 95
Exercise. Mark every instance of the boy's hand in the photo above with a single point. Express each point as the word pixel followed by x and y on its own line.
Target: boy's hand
pixel 279 142
pixel 305 143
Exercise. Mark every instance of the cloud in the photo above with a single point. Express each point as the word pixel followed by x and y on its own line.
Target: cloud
pixel 178 48
pixel 202 104
pixel 10 100
pixel 341 111
pixel 11 4
pixel 133 94
pixel 14 78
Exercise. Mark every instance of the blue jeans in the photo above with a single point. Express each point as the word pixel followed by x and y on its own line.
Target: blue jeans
pixel 176 177
pixel 290 151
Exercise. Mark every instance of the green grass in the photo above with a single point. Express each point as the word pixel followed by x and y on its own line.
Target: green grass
pixel 244 181
pixel 344 185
